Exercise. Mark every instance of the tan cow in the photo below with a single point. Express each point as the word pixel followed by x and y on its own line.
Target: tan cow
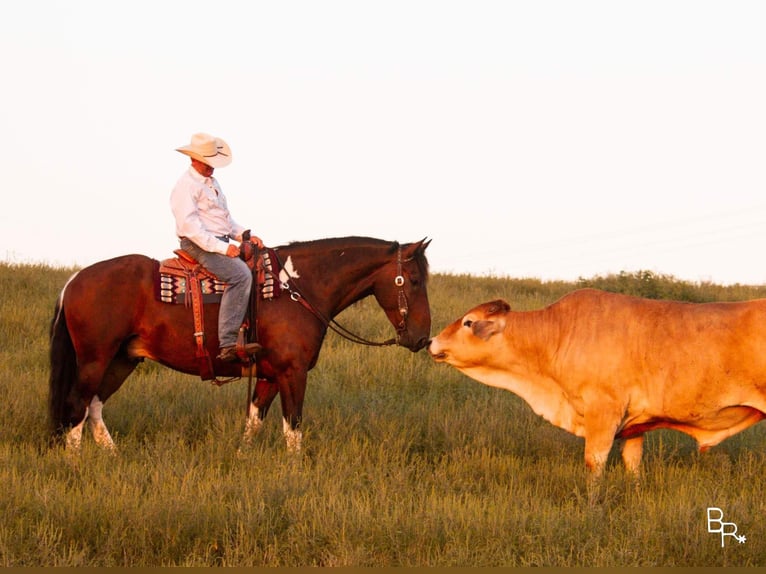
pixel 604 366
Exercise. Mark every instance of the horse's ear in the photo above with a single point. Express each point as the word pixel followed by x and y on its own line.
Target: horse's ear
pixel 417 247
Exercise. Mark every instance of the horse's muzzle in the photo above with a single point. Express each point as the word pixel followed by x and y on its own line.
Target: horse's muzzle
pixel 413 346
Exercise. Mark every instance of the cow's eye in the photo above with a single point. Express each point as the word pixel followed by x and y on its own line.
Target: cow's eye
pixel 467 323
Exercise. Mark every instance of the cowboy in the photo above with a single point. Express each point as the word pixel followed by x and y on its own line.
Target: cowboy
pixel 205 229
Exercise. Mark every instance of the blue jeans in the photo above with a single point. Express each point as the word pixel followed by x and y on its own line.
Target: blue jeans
pixel 237 274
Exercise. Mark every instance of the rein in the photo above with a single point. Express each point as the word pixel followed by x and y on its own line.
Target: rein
pixel 295 294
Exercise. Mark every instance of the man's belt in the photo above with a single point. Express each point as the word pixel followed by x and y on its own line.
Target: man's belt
pixel 224 238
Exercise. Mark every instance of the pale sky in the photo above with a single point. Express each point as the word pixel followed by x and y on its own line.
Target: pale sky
pixel 548 139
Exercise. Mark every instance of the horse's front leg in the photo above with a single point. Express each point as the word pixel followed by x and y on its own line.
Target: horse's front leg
pixel 291 394
pixel 264 394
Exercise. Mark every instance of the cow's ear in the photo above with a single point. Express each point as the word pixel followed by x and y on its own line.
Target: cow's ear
pixel 498 306
pixel 485 329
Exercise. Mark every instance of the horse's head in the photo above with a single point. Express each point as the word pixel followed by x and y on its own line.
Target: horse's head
pixel 400 289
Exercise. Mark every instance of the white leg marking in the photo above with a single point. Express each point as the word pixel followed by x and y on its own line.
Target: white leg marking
pixel 253 425
pixel 292 437
pixel 74 436
pixel 97 426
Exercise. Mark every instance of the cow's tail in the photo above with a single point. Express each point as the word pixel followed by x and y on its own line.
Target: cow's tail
pixel 63 374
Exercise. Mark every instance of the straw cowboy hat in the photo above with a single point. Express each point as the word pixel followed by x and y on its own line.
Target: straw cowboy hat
pixel 210 150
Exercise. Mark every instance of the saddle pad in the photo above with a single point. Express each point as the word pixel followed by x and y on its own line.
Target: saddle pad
pixel 170 281
pixel 270 287
pixel 173 289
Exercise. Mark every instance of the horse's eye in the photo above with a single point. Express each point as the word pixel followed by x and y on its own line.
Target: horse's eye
pixel 467 323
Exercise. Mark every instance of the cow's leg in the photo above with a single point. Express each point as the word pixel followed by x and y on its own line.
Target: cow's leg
pixel 601 420
pixel 632 449
pixel 597 447
pixel 600 427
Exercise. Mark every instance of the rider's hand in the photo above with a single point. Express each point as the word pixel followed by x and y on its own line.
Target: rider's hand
pixel 257 241
pixel 232 250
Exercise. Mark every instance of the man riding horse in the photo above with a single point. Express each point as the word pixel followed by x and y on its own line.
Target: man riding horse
pixel 205 229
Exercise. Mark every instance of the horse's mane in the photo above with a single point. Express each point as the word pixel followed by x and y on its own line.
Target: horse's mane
pixel 330 242
pixel 357 241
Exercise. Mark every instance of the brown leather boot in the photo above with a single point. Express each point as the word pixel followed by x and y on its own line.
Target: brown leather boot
pixel 229 354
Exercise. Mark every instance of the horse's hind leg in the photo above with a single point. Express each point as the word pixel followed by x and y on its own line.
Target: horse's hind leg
pixel 97 428
pixel 73 440
pixel 78 403
pixel 119 370
pixel 110 380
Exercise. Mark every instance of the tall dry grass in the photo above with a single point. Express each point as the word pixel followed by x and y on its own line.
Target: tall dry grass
pixel 406 463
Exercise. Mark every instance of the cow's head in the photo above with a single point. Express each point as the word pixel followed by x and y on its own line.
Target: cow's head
pixel 469 341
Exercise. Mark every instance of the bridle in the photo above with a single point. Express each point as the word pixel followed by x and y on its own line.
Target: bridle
pixel 404 308
pixel 295 295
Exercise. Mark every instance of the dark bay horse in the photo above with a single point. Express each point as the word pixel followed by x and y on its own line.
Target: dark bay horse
pixel 107 320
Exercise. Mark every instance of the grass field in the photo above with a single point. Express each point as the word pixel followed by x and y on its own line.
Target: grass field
pixel 405 462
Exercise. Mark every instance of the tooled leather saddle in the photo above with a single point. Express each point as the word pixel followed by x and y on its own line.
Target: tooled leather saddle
pixel 182 280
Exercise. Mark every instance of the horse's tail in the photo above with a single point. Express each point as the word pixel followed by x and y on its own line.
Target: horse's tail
pixel 63 363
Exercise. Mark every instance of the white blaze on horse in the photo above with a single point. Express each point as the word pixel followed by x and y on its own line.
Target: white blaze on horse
pixel 605 366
